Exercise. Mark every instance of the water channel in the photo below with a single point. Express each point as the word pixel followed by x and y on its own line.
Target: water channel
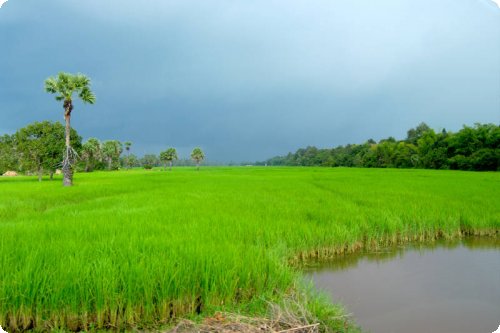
pixel 443 287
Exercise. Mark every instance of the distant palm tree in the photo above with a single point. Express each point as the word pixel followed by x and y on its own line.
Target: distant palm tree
pixel 91 153
pixel 111 151
pixel 127 145
pixel 197 156
pixel 64 85
pixel 169 156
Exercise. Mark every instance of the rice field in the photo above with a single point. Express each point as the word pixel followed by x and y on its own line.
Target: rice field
pixel 138 249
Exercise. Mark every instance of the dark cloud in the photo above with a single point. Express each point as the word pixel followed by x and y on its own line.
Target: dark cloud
pixel 250 79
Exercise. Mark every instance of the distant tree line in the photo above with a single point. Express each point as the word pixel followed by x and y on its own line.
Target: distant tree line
pixel 471 148
pixel 39 149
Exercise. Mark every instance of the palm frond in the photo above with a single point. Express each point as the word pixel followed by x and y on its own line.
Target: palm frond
pixel 51 85
pixel 80 81
pixel 66 84
pixel 86 95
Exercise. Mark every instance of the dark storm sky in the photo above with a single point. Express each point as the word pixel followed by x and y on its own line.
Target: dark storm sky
pixel 247 80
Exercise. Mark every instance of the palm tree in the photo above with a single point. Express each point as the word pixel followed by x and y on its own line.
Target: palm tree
pixel 197 156
pixel 169 156
pixel 91 153
pixel 64 85
pixel 111 150
pixel 127 145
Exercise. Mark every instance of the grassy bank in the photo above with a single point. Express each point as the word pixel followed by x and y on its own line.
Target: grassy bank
pixel 137 248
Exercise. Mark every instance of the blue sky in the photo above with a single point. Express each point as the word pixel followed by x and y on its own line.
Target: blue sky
pixel 247 80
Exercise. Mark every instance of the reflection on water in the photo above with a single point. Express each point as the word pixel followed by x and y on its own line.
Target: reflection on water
pixel 442 287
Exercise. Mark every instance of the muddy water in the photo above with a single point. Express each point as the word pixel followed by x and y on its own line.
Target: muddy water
pixel 446 287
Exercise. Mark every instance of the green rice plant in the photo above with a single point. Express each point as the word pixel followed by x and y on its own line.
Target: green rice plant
pixel 139 249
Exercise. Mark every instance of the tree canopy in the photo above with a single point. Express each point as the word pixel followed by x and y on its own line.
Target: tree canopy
pixel 197 156
pixel 64 85
pixel 111 151
pixel 471 148
pixel 168 156
pixel 40 146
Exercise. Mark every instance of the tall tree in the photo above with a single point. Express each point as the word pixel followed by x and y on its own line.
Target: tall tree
pixel 413 134
pixel 128 145
pixel 91 153
pixel 55 141
pixel 65 85
pixel 111 151
pixel 41 145
pixel 168 156
pixel 197 156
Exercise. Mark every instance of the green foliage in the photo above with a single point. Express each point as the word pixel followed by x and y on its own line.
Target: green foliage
pixel 149 161
pixel 9 159
pixel 91 154
pixel 126 162
pixel 130 161
pixel 66 84
pixel 471 148
pixel 197 156
pixel 40 146
pixel 168 156
pixel 414 134
pixel 134 249
pixel 111 151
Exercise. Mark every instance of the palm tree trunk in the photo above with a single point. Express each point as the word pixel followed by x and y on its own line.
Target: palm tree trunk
pixel 67 117
pixel 66 169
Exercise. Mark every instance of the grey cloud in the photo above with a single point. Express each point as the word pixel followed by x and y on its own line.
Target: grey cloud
pixel 248 80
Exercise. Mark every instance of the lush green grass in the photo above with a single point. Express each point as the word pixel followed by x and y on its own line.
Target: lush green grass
pixel 139 247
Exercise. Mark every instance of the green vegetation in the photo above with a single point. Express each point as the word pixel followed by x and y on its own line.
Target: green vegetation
pixel 111 151
pixel 18 154
pixel 36 149
pixel 64 86
pixel 91 154
pixel 169 156
pixel 126 160
pixel 40 146
pixel 197 156
pixel 472 148
pixel 149 161
pixel 138 248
